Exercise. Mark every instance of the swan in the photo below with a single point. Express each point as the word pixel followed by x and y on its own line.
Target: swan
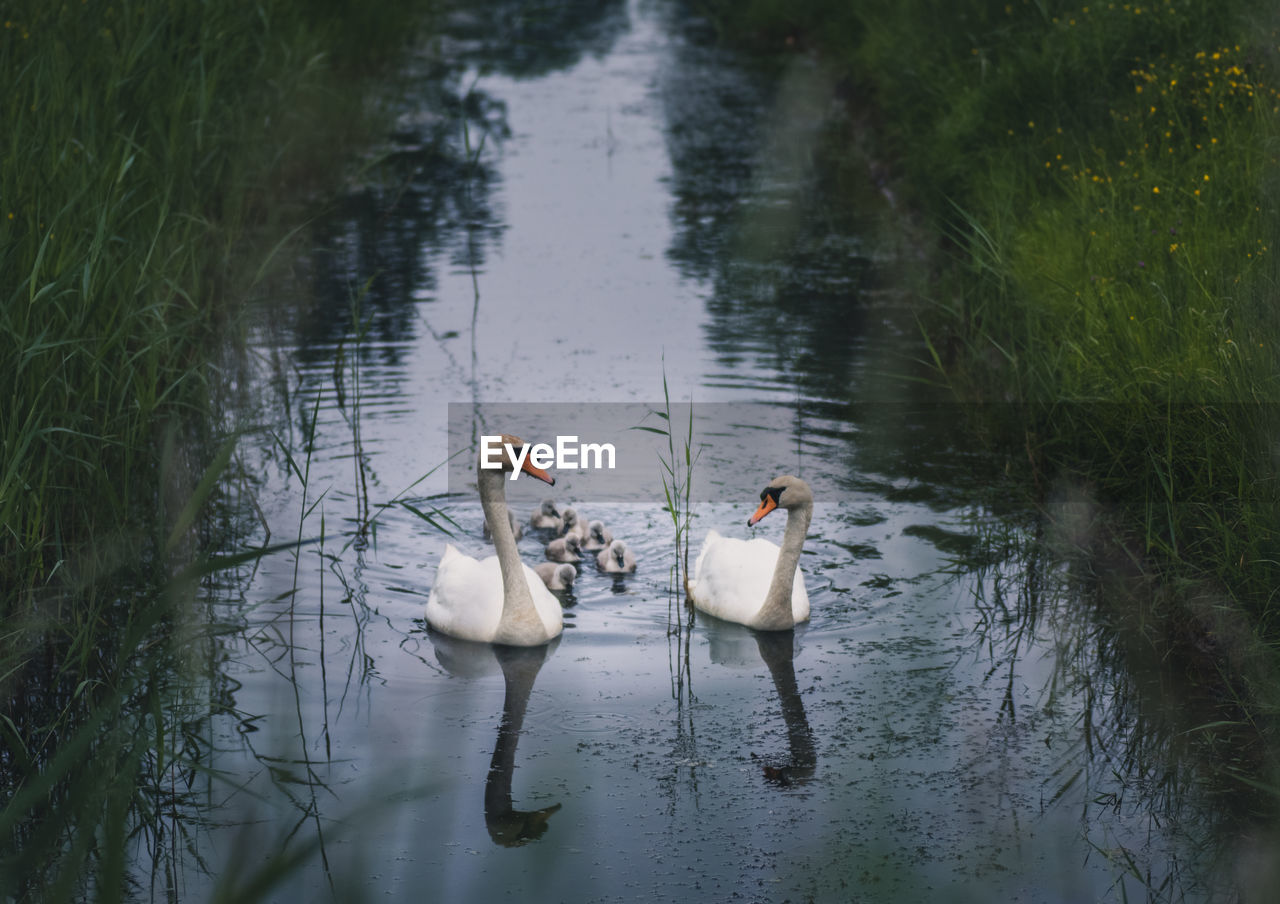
pixel 498 599
pixel 556 576
pixel 617 559
pixel 753 582
pixel 598 536
pixel 517 529
pixel 565 549
pixel 573 524
pixel 547 516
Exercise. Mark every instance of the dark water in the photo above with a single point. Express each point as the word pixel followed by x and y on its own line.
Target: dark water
pixel 577 200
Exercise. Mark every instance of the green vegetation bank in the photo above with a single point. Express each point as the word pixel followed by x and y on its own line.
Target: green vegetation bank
pixel 155 156
pixel 1100 181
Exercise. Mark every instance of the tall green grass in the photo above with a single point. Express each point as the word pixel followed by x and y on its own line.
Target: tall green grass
pixel 1118 238
pixel 154 153
pixel 155 157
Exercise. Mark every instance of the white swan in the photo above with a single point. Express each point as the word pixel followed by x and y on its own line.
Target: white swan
pixel 598 536
pixel 517 529
pixel 573 524
pixel 753 582
pixel 556 576
pixel 547 516
pixel 616 559
pixel 498 599
pixel 565 549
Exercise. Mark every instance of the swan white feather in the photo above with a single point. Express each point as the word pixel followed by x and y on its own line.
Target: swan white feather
pixel 467 598
pixel 755 582
pixel 732 577
pixel 498 599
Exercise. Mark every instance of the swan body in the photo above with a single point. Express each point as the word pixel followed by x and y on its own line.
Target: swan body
pixel 731 577
pixel 616 559
pixel 556 576
pixel 565 549
pixel 755 582
pixel 598 536
pixel 498 599
pixel 573 524
pixel 517 528
pixel 467 602
pixel 547 517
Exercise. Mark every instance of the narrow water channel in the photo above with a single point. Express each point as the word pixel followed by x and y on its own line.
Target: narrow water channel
pixel 575 206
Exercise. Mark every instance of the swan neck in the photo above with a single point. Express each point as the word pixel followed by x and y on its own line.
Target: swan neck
pixel 776 612
pixel 777 649
pixel 519 617
pixel 497 787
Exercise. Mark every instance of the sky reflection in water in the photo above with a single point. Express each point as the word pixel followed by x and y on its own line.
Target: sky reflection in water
pixel 569 210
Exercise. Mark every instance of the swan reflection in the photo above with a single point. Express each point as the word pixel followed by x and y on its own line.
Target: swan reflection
pixel 507 826
pixel 735 645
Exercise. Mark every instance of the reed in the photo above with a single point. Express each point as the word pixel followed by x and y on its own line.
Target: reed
pixel 158 159
pixel 144 145
pixel 677 466
pixel 677 480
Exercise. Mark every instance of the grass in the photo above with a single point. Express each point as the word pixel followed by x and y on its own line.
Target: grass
pixel 677 488
pixel 1100 179
pixel 157 158
pixel 677 482
pixel 154 156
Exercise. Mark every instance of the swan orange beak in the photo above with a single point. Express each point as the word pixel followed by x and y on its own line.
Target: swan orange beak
pixel 767 505
pixel 542 475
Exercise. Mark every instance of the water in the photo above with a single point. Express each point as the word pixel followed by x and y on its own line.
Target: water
pixel 573 205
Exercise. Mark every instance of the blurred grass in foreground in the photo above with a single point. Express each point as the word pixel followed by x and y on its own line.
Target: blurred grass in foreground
pixel 157 155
